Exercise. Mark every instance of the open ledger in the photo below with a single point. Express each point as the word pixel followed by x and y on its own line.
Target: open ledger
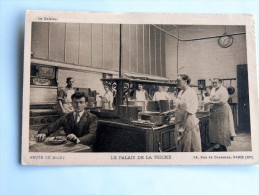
pixel 139 89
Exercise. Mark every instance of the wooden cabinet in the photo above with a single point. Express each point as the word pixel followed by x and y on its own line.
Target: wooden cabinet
pixel 44 108
pixel 120 137
pixel 116 136
pixel 164 140
pixel 204 130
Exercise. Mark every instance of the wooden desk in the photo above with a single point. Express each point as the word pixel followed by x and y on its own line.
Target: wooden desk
pixel 68 146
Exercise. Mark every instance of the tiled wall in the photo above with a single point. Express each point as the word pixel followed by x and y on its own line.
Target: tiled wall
pixel 205 59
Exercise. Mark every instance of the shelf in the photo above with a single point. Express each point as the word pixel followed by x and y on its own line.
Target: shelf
pixel 144 81
pixel 43 86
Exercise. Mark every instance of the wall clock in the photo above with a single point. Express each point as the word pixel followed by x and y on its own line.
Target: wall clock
pixel 225 41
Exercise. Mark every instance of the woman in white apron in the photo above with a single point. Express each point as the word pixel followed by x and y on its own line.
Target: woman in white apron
pixel 206 95
pixel 221 124
pixel 187 132
pixel 64 96
pixel 107 98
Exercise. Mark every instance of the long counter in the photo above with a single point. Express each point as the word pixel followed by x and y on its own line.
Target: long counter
pixel 115 135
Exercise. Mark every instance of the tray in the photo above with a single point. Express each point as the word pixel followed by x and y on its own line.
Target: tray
pixel 56 140
pixel 143 123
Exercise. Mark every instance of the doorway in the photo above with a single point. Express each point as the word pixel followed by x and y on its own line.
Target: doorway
pixel 243 98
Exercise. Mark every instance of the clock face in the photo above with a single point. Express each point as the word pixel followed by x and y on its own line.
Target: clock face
pixel 225 41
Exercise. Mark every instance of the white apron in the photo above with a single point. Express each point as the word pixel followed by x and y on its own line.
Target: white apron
pixel 187 132
pixel 221 125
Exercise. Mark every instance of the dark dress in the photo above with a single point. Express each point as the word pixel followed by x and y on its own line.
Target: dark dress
pixel 219 124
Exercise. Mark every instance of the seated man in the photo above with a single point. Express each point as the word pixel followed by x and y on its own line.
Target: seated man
pixel 79 126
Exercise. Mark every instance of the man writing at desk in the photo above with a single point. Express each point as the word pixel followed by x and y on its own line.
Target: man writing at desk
pixel 79 125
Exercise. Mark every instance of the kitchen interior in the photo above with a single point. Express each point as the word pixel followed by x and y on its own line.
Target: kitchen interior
pixel 123 56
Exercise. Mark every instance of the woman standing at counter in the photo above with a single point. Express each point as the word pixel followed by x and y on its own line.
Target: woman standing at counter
pixel 221 121
pixel 64 96
pixel 140 94
pixel 186 122
pixel 206 95
pixel 107 98
pixel 161 94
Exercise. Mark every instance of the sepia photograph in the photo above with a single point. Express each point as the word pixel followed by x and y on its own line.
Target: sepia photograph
pixel 138 91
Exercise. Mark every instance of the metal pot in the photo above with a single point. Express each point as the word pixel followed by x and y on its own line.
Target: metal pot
pixel 165 105
pixel 152 106
pixel 154 117
pixel 135 103
pixel 129 112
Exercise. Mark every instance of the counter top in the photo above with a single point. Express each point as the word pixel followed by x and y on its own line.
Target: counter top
pixel 129 124
pixel 115 121
pixel 68 146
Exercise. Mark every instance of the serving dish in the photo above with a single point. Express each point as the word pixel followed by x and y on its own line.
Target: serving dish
pixel 56 140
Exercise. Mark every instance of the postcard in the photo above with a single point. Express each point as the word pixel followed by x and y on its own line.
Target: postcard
pixel 139 89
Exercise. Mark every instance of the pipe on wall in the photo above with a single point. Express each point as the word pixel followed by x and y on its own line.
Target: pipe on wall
pixel 120 62
pixel 195 39
pixel 177 51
